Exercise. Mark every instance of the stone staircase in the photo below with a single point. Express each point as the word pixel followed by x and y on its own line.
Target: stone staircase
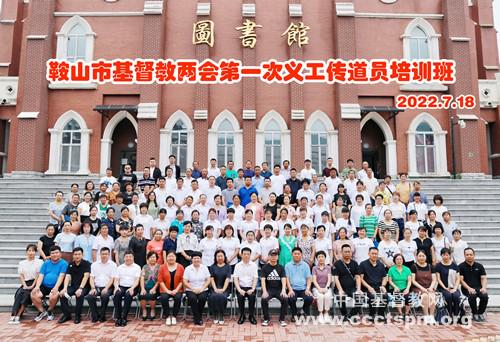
pixel 475 206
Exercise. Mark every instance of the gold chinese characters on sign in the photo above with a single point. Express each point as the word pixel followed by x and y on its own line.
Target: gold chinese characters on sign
pixel 297 33
pixel 248 34
pixel 203 32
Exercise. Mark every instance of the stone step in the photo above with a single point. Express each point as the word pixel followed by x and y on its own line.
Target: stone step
pixel 18 243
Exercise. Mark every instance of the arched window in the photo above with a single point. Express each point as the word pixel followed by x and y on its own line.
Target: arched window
pixel 75 40
pixel 425 149
pixel 419 44
pixel 76 44
pixel 225 142
pixel 272 143
pixel 179 143
pixel 319 145
pixel 71 144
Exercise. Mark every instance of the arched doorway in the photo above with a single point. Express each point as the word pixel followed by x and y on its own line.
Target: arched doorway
pixel 118 143
pixel 124 148
pixel 373 149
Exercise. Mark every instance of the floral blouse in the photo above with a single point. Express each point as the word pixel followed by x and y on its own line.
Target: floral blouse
pixel 150 275
pixel 306 247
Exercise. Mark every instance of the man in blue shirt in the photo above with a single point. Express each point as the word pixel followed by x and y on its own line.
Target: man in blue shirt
pixel 246 191
pixel 258 179
pixel 248 172
pixel 299 283
pixel 265 170
pixel 48 283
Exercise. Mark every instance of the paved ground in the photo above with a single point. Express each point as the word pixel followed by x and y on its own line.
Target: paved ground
pixel 156 331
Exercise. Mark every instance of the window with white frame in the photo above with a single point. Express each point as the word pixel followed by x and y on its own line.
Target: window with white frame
pixel 179 144
pixel 419 44
pixel 76 45
pixel 71 145
pixel 319 145
pixel 272 143
pixel 425 149
pixel 225 142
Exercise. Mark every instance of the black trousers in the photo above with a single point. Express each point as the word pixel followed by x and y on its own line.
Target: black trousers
pixel 165 299
pixel 265 304
pixel 343 304
pixel 218 302
pixel 251 301
pixel 92 300
pixel 22 297
pixel 483 301
pixel 197 303
pixel 377 303
pixel 123 294
pixel 452 301
pixel 79 301
pixel 292 302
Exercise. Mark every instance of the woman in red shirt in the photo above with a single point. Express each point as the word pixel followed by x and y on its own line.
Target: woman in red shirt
pixel 170 281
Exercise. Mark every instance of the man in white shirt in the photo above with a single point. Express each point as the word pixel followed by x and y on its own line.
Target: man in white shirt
pixel 265 191
pixel 363 173
pixel 350 183
pixel 267 243
pixel 277 180
pixel 195 192
pixel 254 246
pixel 245 281
pixel 146 220
pixel 419 207
pixel 188 179
pixel 170 179
pixel 213 170
pixel 102 277
pixel 161 192
pixel 133 208
pixel 307 172
pixel 212 190
pixel 203 180
pixel 362 245
pixel 108 179
pixel 285 171
pixel 306 191
pixel 125 288
pixel 179 193
pixel 360 191
pixel 370 181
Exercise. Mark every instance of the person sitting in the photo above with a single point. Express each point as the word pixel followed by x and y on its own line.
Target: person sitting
pixel 49 283
pixel 322 278
pixel 347 280
pixel 245 281
pixel 102 276
pixel 220 277
pixel 170 282
pixel 424 283
pixel 149 285
pixel 28 271
pixel 448 280
pixel 299 278
pixel 399 277
pixel 187 244
pixel 75 284
pixel 274 285
pixel 196 280
pixel 126 285
pixel 374 280
pixel 474 284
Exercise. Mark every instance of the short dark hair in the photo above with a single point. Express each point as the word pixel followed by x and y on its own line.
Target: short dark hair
pixel 54 248
pixel 297 249
pixel 246 249
pixel 78 249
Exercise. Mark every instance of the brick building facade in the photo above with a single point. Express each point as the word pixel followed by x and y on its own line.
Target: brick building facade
pixel 84 128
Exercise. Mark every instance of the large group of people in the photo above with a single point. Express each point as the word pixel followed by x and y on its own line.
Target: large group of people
pixel 220 233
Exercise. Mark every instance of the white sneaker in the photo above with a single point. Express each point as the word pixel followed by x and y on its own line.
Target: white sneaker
pixel 221 322
pixel 283 323
pixel 168 321
pixel 174 321
pixel 50 316
pixel 40 316
pixel 216 321
pixel 328 319
pixel 11 320
pixel 321 319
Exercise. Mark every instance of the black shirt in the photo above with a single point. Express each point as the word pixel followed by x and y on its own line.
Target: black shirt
pixel 472 274
pixel 295 184
pixel 77 273
pixel 94 224
pixel 373 275
pixel 445 271
pixel 346 273
pixel 220 274
pixel 345 198
pixel 273 276
pixel 273 209
pixel 138 247
pixel 425 245
pixel 47 242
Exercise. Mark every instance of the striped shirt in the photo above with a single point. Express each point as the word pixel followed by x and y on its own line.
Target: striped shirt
pixel 369 223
